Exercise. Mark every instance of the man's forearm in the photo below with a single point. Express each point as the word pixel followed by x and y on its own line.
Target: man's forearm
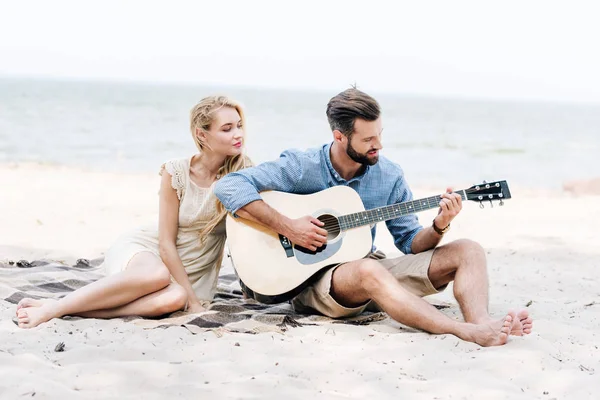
pixel 260 212
pixel 306 231
pixel 425 240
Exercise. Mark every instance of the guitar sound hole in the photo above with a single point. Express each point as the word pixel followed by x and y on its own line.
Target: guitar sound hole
pixel 332 225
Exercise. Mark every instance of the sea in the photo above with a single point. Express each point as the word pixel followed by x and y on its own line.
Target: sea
pixel 134 127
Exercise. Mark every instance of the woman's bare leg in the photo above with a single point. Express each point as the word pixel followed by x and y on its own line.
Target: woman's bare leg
pixel 170 299
pixel 145 274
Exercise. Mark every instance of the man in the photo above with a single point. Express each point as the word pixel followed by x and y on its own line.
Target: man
pixel 395 285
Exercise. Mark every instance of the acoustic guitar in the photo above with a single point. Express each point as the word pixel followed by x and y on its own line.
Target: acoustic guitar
pixel 273 270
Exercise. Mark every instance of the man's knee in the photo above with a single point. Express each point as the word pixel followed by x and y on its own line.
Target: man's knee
pixel 447 259
pixel 468 249
pixel 371 274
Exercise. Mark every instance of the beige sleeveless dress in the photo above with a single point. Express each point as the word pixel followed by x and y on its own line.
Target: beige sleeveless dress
pixel 197 206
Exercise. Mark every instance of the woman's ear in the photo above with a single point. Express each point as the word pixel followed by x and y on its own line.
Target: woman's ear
pixel 200 136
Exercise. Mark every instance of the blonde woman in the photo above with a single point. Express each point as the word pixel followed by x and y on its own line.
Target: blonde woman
pixel 150 271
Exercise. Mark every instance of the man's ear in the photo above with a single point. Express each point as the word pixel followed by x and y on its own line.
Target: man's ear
pixel 338 136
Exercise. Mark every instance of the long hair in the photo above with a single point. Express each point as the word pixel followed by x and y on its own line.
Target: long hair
pixel 201 117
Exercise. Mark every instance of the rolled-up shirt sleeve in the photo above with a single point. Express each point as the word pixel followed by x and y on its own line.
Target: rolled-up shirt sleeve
pixel 237 189
pixel 405 228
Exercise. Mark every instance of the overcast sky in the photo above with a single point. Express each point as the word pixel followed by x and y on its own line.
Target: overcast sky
pixel 510 49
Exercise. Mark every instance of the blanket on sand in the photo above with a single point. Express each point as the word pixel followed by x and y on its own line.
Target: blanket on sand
pixel 229 312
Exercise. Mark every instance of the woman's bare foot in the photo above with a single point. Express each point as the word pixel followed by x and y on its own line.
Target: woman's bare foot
pixel 493 333
pixel 523 323
pixel 195 308
pixel 30 317
pixel 29 302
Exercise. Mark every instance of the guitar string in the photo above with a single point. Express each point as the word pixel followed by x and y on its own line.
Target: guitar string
pixel 334 222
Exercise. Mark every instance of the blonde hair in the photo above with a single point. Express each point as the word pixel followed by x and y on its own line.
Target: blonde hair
pixel 201 117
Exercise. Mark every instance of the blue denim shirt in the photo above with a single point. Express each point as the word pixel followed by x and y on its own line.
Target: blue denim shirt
pixel 306 172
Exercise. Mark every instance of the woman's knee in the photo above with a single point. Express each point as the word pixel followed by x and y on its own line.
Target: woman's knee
pixel 150 271
pixel 173 300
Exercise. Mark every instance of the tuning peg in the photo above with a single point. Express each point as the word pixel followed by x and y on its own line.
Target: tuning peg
pixel 481 204
pixel 501 202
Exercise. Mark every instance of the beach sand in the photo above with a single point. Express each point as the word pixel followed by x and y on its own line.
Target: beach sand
pixel 542 252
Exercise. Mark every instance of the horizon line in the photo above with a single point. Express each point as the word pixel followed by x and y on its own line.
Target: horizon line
pixel 298 89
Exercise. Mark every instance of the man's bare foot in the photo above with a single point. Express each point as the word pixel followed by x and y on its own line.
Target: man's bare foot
pixel 33 316
pixel 523 323
pixel 29 302
pixel 494 333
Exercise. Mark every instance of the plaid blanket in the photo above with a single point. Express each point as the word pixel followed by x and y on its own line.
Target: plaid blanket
pixel 229 312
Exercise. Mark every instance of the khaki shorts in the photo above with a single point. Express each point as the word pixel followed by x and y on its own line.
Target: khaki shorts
pixel 410 270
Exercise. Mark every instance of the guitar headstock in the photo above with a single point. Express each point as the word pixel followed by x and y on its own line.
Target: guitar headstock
pixel 488 191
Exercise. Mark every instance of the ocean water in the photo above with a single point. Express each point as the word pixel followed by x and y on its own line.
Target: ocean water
pixel 132 127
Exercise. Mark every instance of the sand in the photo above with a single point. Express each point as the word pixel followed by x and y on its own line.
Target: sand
pixel 542 251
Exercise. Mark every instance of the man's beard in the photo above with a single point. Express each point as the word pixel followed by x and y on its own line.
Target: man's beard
pixel 363 159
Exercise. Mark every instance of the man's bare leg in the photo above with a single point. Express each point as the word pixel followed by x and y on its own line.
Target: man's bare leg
pixel 145 274
pixel 464 262
pixel 359 281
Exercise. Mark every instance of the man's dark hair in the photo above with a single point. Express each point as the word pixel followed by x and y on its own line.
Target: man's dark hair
pixel 344 108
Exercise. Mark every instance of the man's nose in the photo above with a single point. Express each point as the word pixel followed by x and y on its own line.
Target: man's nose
pixel 378 145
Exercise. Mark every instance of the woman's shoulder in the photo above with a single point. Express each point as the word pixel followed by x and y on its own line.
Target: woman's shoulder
pixel 179 169
pixel 176 166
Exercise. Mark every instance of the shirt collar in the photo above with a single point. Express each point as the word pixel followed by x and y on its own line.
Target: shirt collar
pixel 333 172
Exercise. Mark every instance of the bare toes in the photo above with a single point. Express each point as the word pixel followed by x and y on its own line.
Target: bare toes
pixel 503 338
pixel 524 317
pixel 26 302
pixel 33 316
pixel 507 325
pixel 527 325
pixel 505 329
pixel 23 320
pixel 508 320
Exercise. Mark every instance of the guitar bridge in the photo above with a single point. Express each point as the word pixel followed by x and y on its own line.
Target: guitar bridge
pixel 287 246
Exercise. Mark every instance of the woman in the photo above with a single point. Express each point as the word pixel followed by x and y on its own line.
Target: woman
pixel 151 272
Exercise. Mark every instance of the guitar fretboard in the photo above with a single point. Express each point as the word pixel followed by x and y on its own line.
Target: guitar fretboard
pixel 375 215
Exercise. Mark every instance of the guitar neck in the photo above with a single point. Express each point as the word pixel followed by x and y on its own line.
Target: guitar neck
pixel 386 213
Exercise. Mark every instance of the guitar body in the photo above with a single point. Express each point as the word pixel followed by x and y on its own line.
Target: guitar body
pixel 274 270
